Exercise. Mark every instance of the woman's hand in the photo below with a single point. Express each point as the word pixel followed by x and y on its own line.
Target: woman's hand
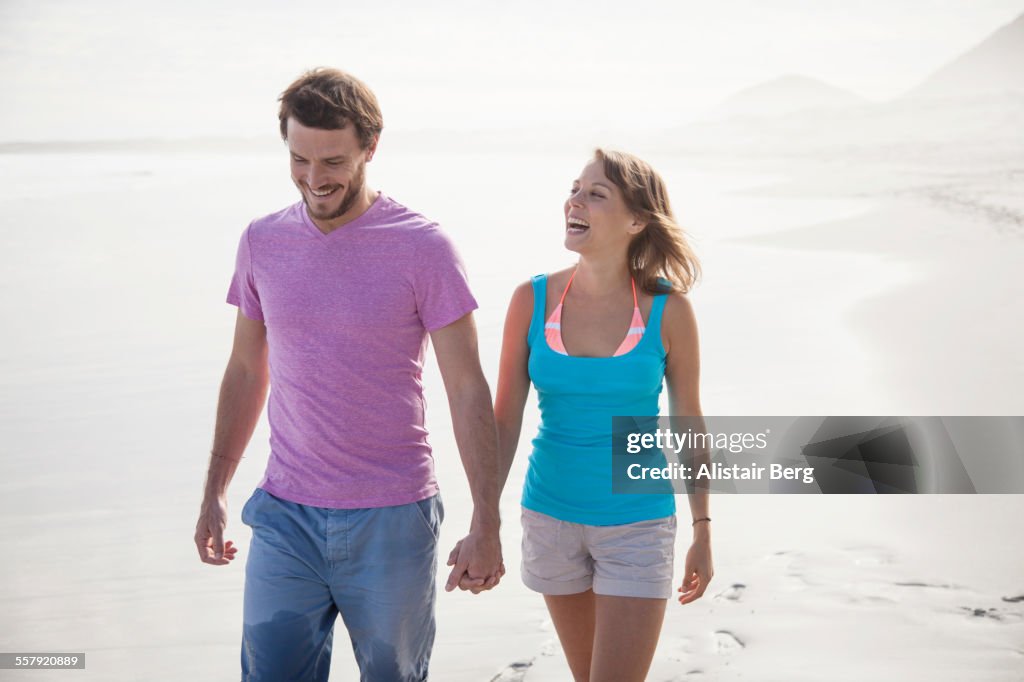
pixel 698 570
pixel 474 585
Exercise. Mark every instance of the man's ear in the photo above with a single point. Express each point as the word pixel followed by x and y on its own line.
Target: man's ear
pixel 372 149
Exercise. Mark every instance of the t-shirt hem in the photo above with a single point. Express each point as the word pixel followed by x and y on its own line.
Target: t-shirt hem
pixel 392 500
pixel 248 312
pixel 443 322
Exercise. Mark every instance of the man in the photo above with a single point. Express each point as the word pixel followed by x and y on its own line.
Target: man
pixel 336 295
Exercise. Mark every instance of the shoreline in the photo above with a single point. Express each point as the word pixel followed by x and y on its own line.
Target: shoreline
pixel 936 331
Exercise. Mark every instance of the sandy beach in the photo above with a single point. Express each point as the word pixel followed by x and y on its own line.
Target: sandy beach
pixel 851 177
pixel 815 301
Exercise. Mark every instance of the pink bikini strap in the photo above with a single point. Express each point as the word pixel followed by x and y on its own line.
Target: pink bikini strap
pixel 567 287
pixel 632 283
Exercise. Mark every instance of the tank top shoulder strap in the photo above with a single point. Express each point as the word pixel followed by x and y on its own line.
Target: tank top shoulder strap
pixel 540 298
pixel 657 308
pixel 657 312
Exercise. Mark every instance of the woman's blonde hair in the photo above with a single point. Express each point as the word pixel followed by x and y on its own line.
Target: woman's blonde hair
pixel 661 251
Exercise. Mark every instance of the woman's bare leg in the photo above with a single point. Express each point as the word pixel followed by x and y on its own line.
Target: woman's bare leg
pixel 625 636
pixel 573 616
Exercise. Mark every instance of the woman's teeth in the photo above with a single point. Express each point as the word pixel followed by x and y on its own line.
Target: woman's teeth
pixel 577 226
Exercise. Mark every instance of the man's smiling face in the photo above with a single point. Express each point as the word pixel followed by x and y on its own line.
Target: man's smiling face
pixel 328 167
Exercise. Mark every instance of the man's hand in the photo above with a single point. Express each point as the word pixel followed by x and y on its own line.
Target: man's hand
pixel 213 518
pixel 477 562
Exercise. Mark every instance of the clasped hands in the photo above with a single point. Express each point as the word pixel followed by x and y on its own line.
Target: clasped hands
pixel 477 562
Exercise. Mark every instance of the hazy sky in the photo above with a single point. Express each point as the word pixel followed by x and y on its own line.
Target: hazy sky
pixel 73 70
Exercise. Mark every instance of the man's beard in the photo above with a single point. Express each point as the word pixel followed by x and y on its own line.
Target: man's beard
pixel 352 193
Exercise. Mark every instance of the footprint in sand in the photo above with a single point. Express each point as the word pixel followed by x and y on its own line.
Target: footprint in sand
pixel 679 650
pixel 733 593
pixel 921 583
pixel 515 672
pixel 549 648
pixel 1014 600
pixel 798 580
pixel 794 564
pixel 867 600
pixel 993 613
pixel 869 556
pixel 727 643
pixel 785 555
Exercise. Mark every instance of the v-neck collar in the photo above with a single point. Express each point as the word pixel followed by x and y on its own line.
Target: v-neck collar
pixel 366 218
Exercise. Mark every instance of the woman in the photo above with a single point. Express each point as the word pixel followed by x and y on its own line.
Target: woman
pixel 597 340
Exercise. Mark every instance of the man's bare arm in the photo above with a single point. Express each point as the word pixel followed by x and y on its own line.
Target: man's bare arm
pixel 242 395
pixel 469 398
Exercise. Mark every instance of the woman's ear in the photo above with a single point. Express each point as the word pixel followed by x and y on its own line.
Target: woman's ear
pixel 637 226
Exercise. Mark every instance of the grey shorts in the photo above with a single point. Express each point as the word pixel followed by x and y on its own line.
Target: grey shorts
pixel 629 560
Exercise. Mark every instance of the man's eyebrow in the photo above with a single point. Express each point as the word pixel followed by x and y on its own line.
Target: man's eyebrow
pixel 341 157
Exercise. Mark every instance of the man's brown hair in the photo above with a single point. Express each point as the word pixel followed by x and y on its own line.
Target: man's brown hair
pixel 331 99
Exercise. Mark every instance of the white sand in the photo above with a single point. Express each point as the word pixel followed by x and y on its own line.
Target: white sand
pixel 816 301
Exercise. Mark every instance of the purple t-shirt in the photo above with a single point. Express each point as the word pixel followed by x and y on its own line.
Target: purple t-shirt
pixel 347 316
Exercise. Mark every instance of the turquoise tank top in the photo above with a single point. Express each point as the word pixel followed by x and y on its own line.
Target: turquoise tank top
pixel 570 472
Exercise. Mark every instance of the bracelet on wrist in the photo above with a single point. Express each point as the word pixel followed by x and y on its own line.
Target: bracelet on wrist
pixel 705 518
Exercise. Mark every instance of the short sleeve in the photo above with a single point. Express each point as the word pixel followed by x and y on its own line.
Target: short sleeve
pixel 242 291
pixel 439 279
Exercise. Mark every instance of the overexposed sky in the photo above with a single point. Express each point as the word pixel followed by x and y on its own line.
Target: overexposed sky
pixel 72 70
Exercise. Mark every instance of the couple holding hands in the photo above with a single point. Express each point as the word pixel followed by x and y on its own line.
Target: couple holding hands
pixel 337 295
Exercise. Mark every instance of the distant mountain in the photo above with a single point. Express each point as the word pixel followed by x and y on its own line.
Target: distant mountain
pixel 994 66
pixel 967 114
pixel 784 95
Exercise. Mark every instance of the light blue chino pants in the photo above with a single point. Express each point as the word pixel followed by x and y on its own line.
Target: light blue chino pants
pixel 376 567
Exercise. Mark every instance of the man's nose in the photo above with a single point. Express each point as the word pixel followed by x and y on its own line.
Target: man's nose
pixel 316 175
